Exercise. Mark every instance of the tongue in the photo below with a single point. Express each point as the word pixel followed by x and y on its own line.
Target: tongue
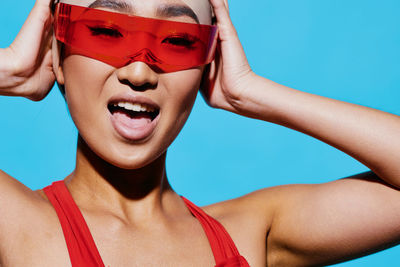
pixel 137 121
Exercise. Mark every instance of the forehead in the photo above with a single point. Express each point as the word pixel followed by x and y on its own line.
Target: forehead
pixel 147 8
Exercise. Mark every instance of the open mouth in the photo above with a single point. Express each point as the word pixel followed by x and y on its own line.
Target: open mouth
pixel 134 117
pixel 134 110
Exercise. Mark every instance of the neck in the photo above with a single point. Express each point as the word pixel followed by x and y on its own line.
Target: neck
pixel 96 184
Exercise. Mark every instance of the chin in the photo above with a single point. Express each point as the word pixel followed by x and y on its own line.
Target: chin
pixel 133 162
pixel 123 156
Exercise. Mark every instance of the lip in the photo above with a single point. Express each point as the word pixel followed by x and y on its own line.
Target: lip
pixel 128 132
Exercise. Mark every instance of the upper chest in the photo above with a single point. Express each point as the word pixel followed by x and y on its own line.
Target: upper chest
pixel 41 242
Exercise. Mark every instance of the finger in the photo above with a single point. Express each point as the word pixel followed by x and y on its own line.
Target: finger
pixel 224 22
pixel 46 77
pixel 221 10
pixel 41 82
pixel 230 43
pixel 226 4
pixel 28 42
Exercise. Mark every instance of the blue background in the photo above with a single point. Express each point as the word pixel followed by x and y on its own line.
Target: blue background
pixel 343 49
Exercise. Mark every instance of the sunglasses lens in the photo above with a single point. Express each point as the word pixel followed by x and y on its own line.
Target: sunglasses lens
pixel 119 39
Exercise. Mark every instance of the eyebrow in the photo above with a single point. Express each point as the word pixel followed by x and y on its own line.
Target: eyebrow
pixel 112 4
pixel 166 11
pixel 176 11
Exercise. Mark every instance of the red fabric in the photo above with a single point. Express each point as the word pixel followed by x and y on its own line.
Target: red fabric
pixel 83 251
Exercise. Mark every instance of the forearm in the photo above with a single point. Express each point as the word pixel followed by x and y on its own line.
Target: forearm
pixel 369 135
pixel 4 71
pixel 8 79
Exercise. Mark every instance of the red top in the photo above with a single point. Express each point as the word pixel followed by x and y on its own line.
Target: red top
pixel 83 251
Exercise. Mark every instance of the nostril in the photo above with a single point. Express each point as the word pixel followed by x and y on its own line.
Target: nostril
pixel 138 75
pixel 143 87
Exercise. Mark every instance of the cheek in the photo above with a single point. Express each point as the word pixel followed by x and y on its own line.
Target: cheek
pixel 180 94
pixel 83 72
pixel 84 80
pixel 183 87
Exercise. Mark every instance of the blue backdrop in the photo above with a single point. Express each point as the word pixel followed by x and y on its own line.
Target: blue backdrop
pixel 343 49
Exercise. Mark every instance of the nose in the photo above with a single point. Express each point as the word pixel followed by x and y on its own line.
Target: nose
pixel 138 75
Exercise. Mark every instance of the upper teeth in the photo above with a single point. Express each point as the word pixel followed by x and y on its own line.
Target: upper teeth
pixel 135 107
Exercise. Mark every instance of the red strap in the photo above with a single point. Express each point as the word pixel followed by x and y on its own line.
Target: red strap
pixel 83 251
pixel 222 245
pixel 81 247
pixel 238 261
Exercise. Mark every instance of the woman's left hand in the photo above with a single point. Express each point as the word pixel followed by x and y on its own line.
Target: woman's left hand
pixel 229 76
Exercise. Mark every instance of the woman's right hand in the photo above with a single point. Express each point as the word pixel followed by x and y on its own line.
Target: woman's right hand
pixel 26 65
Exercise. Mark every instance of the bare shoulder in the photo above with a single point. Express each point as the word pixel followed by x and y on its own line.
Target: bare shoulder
pixel 258 209
pixel 12 189
pixel 28 226
pixel 307 224
pixel 17 204
pixel 248 219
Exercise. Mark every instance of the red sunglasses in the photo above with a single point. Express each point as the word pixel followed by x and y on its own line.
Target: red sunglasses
pixel 119 39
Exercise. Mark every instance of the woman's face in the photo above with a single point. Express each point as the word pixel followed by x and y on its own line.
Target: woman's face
pixel 99 95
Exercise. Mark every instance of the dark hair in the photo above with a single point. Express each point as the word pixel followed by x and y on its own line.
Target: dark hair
pixel 53 5
pixel 52 9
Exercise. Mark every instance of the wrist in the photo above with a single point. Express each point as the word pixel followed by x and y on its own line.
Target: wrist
pixel 266 100
pixel 252 99
pixel 242 93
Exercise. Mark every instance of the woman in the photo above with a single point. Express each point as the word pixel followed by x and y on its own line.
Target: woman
pixel 119 182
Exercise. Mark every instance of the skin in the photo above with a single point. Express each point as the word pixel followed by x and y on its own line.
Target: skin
pixel 121 187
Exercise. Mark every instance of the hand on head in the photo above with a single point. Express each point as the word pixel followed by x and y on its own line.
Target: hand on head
pixel 227 78
pixel 27 71
pixel 26 65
